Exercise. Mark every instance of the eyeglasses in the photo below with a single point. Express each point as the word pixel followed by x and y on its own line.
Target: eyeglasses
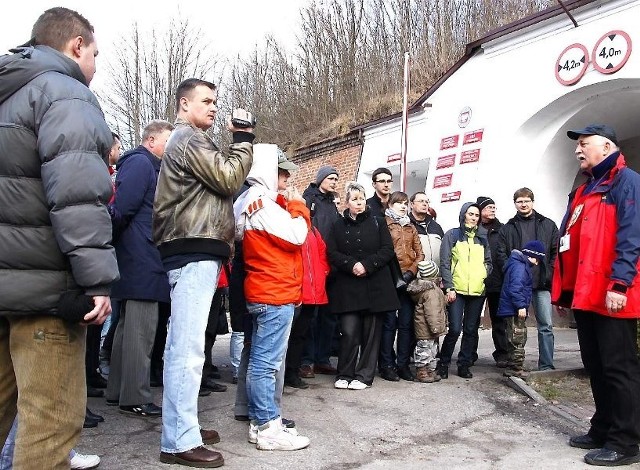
pixel 384 181
pixel 525 201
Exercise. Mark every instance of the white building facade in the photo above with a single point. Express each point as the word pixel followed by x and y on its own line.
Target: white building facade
pixel 498 120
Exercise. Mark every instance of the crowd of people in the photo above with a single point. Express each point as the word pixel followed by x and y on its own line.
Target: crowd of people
pixel 152 244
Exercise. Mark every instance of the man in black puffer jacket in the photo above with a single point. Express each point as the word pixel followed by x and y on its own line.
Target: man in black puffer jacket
pixel 55 234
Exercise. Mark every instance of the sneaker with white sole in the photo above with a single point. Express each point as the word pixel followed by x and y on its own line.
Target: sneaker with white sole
pixel 357 385
pixel 81 461
pixel 273 436
pixel 253 433
pixel 341 384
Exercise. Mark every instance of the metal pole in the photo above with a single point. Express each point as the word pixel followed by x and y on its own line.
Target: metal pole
pixel 405 124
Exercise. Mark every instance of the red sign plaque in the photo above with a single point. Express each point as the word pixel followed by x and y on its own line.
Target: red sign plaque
pixel 469 156
pixel 452 196
pixel 441 181
pixel 449 142
pixel 446 161
pixel 472 137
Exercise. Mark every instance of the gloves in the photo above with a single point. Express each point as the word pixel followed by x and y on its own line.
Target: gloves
pixel 408 276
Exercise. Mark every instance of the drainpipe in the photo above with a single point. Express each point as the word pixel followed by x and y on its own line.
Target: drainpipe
pixel 566 10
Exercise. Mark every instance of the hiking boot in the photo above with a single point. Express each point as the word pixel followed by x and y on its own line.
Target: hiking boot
pixel 273 436
pixel 516 372
pixel 426 375
pixel 306 372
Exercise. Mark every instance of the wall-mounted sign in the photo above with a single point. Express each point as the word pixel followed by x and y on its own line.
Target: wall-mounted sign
pixel 446 161
pixel 469 156
pixel 464 118
pixel 452 196
pixel 472 137
pixel 441 181
pixel 449 142
pixel 394 157
pixel 611 52
pixel 571 65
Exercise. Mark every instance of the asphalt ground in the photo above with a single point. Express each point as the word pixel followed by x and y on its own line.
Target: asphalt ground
pixel 478 423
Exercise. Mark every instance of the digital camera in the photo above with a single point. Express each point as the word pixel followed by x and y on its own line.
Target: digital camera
pixel 242 119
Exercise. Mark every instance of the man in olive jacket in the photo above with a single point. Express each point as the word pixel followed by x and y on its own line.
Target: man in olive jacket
pixel 55 232
pixel 194 228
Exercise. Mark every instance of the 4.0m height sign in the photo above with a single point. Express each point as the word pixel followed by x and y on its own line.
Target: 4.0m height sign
pixel 609 55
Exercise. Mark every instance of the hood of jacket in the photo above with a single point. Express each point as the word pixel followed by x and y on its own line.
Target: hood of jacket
pixel 463 211
pixel 26 63
pixel 262 178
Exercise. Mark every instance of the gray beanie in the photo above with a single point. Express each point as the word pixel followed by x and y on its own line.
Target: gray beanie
pixel 325 171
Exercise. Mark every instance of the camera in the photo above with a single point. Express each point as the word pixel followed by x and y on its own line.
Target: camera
pixel 242 119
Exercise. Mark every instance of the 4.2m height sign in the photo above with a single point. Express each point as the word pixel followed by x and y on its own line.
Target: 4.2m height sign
pixel 610 53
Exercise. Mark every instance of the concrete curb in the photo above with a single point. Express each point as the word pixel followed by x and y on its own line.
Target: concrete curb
pixel 521 386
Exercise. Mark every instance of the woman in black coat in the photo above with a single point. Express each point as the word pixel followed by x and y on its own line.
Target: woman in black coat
pixel 361 289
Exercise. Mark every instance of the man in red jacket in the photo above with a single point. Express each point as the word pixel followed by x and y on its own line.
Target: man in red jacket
pixel 596 276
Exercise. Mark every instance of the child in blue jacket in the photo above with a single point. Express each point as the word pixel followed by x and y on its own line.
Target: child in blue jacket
pixel 515 298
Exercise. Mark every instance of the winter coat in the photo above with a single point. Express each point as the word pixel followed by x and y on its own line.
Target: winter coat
pixel 493 282
pixel 365 240
pixel 55 229
pixel 193 207
pixel 406 245
pixel 430 233
pixel 608 244
pixel 272 231
pixel 375 206
pixel 142 275
pixel 517 288
pixel 430 315
pixel 315 269
pixel 322 208
pixel 511 239
pixel 465 262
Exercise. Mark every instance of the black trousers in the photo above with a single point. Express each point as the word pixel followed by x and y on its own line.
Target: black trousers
pixel 610 355
pixel 211 332
pixel 361 333
pixel 157 353
pixel 297 339
pixel 92 351
pixel 498 327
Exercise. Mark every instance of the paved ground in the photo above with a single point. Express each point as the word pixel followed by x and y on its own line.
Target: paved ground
pixel 479 423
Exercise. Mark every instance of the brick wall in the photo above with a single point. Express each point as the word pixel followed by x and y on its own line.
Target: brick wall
pixel 343 153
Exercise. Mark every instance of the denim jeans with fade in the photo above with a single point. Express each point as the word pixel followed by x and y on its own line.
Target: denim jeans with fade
pixel 271 328
pixel 192 289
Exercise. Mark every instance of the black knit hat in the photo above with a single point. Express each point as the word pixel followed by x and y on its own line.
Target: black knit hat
pixel 484 201
pixel 534 249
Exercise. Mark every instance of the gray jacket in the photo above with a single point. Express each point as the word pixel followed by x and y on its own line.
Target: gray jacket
pixel 55 230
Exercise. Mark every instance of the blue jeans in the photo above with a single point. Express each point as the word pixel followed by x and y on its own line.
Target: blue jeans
pixel 541 301
pixel 464 317
pixel 403 323
pixel 271 327
pixel 236 344
pixel 318 345
pixel 192 289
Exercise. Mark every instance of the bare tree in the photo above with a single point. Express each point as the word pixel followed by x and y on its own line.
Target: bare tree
pixel 146 73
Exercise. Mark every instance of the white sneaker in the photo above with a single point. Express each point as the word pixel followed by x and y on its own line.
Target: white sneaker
pixel 253 433
pixel 82 461
pixel 357 385
pixel 341 384
pixel 272 436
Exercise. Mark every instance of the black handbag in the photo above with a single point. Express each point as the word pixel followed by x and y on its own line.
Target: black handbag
pixel 396 273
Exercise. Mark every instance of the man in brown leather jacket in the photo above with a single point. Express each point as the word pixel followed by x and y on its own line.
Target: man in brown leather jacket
pixel 193 226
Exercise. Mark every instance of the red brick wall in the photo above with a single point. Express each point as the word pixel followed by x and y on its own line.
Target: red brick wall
pixel 341 153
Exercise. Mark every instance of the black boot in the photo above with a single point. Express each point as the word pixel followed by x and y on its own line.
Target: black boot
pixel 464 372
pixel 442 371
pixel 405 374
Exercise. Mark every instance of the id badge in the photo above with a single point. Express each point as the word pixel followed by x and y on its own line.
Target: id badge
pixel 565 243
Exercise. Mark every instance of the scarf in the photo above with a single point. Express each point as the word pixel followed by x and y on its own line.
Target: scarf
pixel 400 219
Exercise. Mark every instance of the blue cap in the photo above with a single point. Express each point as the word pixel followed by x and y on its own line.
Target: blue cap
pixel 594 129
